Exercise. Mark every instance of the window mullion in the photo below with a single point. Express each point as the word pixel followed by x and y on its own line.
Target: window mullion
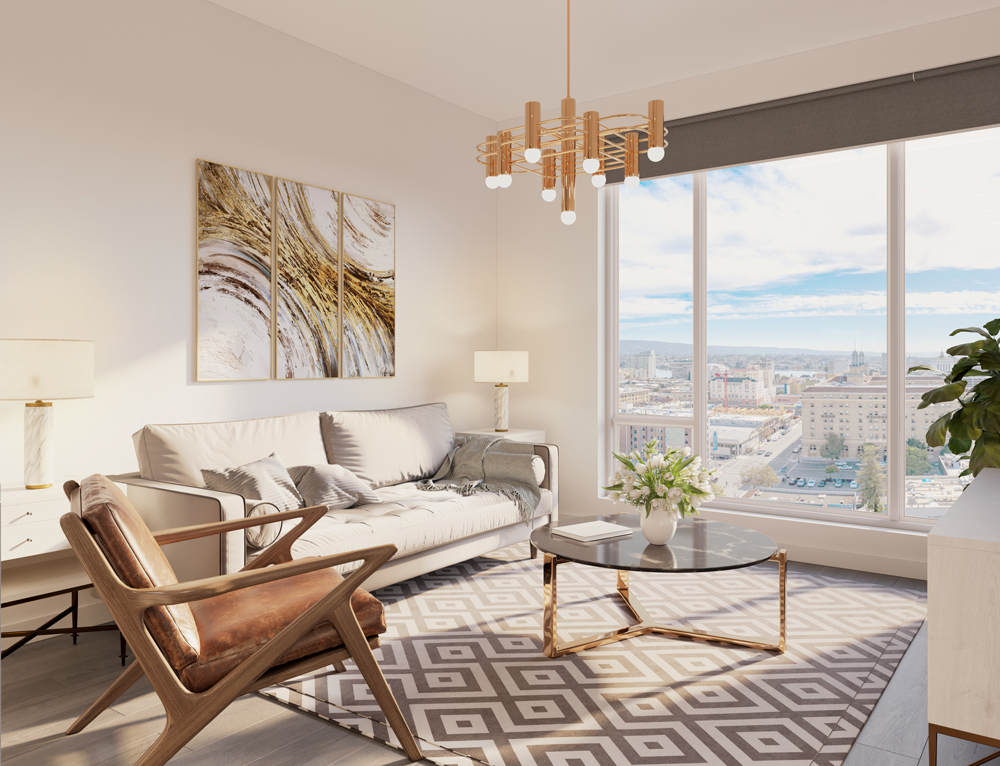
pixel 896 329
pixel 699 295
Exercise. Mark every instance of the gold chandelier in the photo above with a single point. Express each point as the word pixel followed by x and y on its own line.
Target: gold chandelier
pixel 561 147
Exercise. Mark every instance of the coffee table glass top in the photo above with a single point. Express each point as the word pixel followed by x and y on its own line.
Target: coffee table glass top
pixel 699 545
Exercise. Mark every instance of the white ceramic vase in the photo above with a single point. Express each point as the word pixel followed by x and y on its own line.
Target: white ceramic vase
pixel 659 526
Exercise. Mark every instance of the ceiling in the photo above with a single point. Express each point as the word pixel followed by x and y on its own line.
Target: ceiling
pixel 491 57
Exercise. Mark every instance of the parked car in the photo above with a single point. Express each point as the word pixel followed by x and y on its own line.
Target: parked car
pixel 800 483
pixel 811 483
pixel 797 449
pixel 767 454
pixel 854 484
pixel 838 483
pixel 821 483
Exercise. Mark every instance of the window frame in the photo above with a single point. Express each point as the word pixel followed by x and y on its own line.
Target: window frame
pixel 895 517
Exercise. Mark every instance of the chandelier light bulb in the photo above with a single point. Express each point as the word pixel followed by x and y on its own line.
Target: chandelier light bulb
pixel 631 182
pixel 591 165
pixel 532 155
pixel 655 153
pixel 567 217
pixel 549 195
pixel 504 180
pixel 492 182
pixel 598 180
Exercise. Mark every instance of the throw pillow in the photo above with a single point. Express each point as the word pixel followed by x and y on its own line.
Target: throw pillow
pixel 265 479
pixel 331 485
pixel 265 534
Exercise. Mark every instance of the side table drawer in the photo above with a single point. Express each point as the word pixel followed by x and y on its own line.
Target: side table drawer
pixel 32 538
pixel 12 514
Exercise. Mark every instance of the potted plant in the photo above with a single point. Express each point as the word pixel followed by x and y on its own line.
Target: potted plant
pixel 974 382
pixel 666 486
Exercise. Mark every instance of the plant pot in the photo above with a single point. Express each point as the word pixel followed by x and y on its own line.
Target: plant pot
pixel 658 526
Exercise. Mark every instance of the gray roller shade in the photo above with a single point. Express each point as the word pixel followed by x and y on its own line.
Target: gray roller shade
pixel 940 100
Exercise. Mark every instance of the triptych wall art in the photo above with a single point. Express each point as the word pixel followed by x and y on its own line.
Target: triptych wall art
pixel 294 281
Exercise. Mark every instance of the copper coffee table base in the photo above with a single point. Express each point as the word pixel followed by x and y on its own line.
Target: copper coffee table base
pixel 645 624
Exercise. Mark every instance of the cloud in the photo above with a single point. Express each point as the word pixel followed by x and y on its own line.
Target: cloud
pixel 778 225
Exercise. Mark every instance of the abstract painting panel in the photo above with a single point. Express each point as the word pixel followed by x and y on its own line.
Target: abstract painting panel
pixel 307 236
pixel 369 288
pixel 234 273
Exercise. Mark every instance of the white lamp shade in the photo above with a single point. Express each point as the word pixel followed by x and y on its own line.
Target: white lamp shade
pixel 501 367
pixel 46 369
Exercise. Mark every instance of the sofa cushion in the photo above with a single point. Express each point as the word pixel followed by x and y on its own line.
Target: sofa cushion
pixel 266 479
pixel 413 521
pixel 385 447
pixel 178 453
pixel 331 485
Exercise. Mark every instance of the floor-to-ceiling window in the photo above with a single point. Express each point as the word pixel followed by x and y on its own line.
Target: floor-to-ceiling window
pixel 786 384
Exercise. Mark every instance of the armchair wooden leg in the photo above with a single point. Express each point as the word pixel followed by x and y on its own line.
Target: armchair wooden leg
pixel 339 667
pixel 346 623
pixel 131 674
pixel 181 730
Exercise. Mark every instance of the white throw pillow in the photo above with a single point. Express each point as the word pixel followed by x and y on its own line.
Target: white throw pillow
pixel 386 447
pixel 264 479
pixel 331 485
pixel 538 466
pixel 265 534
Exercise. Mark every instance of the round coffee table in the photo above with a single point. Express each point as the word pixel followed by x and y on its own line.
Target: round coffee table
pixel 699 545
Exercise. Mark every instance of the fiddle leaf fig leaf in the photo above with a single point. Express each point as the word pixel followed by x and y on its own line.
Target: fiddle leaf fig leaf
pixel 992 327
pixel 989 360
pixel 985 453
pixel 961 369
pixel 963 424
pixel 966 349
pixel 959 446
pixel 946 393
pixel 989 389
pixel 938 432
pixel 977 330
pixel 922 367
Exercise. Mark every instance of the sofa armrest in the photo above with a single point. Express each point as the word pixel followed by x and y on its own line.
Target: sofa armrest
pixel 550 454
pixel 165 506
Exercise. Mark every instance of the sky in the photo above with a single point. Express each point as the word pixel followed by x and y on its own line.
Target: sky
pixel 797 249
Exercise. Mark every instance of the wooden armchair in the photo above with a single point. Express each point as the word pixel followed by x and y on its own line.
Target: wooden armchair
pixel 204 643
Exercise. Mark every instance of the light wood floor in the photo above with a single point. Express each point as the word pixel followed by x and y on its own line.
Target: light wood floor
pixel 48 683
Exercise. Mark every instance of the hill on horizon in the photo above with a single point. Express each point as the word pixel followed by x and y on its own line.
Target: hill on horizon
pixel 668 348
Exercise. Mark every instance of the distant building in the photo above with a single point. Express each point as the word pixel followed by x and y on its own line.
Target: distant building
pixel 739 390
pixel 629 396
pixel 633 437
pixel 837 366
pixel 860 414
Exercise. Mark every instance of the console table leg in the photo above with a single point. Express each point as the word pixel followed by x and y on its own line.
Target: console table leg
pixel 75 596
pixel 932 745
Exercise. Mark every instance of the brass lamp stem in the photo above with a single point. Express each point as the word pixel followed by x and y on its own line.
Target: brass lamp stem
pixel 567 48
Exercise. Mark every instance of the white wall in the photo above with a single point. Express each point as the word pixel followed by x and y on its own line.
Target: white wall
pixel 107 104
pixel 550 279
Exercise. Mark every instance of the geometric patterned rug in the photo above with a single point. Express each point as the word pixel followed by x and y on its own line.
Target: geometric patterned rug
pixel 463 655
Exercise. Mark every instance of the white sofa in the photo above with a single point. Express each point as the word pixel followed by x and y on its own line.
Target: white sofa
pixel 388 449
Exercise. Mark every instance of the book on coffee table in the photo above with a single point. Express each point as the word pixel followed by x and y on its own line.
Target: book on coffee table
pixel 592 530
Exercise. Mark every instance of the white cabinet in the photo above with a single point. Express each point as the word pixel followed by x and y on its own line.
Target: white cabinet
pixel 29 521
pixel 963 616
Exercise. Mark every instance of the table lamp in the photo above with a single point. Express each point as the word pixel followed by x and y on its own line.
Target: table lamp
pixel 42 370
pixel 501 368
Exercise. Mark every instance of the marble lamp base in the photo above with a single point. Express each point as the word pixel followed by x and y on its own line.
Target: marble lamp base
pixel 39 449
pixel 501 409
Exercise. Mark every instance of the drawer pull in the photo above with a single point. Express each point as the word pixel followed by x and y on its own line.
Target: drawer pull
pixel 18 518
pixel 20 543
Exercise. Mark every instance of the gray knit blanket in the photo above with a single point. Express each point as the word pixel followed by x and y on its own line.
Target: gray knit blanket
pixel 489 464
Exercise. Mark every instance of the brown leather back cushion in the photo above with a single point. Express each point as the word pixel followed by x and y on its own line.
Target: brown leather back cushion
pixel 140 563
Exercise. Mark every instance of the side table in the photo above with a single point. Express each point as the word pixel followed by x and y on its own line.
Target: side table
pixel 514 434
pixel 29 526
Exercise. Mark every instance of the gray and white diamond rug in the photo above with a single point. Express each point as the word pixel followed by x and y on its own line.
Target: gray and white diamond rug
pixel 463 655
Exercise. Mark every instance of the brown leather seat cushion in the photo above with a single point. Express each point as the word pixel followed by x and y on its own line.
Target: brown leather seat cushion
pixel 232 626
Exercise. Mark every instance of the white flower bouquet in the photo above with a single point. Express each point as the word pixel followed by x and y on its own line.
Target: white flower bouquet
pixel 673 480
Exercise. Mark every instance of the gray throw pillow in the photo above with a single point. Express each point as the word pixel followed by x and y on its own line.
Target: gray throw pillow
pixel 331 485
pixel 265 479
pixel 265 534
